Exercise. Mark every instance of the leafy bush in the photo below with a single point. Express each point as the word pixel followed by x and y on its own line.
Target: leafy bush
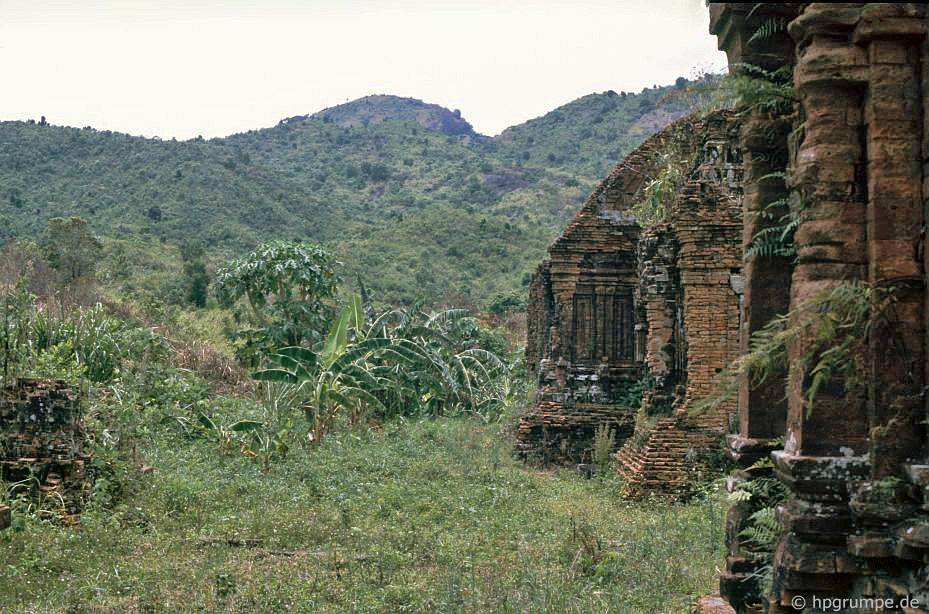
pixel 604 443
pixel 394 364
pixel 755 88
pixel 501 304
pixel 40 339
pixel 285 285
pixel 659 191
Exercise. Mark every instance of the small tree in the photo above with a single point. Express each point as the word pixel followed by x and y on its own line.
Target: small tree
pixel 72 249
pixel 284 284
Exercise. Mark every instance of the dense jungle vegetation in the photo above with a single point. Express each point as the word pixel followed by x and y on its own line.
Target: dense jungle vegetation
pixel 291 447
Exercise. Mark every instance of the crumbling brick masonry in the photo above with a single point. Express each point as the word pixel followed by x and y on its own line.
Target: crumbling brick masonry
pixel 856 524
pixel 42 443
pixel 613 305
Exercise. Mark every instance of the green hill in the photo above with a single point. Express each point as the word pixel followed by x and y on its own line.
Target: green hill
pixel 407 195
pixel 376 109
pixel 591 134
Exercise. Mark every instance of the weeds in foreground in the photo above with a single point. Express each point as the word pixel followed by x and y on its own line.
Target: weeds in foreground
pixel 426 515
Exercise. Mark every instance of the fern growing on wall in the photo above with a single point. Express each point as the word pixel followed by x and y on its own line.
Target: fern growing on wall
pixel 768 92
pixel 761 494
pixel 757 89
pixel 659 191
pixel 834 325
pixel 776 239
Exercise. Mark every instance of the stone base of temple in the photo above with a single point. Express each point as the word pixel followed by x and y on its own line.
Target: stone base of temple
pixel 557 433
pixel 858 542
pixel 670 459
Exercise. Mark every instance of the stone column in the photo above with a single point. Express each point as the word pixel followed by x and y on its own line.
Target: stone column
pixel 762 409
pixel 539 319
pixel 893 36
pixel 826 447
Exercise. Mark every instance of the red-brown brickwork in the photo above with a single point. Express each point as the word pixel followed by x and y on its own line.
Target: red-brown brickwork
pixel 581 321
pixel 854 527
pixel 609 306
pixel 558 433
pixel 690 294
pixel 41 438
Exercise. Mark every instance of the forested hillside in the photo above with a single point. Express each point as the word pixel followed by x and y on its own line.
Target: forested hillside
pixel 406 194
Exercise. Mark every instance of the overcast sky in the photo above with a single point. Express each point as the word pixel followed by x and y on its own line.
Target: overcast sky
pixel 182 68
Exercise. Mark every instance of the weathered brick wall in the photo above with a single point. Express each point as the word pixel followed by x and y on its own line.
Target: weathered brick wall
pixel 609 305
pixel 660 299
pixel 41 437
pixel 539 318
pixel 581 338
pixel 554 432
pixel 706 219
pixel 690 286
pixel 856 523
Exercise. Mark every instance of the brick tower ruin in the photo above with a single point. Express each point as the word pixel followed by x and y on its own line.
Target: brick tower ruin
pixel 614 307
pixel 855 524
pixel 42 443
pixel 689 299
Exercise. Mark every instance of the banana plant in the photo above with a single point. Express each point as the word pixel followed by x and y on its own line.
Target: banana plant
pixel 441 366
pixel 337 377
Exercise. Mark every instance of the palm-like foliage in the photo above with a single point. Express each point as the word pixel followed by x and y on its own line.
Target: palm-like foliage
pixel 442 368
pixel 338 376
pixel 400 362
pixel 35 335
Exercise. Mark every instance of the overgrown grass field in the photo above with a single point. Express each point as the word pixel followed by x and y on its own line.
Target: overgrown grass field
pixel 422 515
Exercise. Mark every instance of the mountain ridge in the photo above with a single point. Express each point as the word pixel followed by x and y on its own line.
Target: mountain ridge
pixel 383 180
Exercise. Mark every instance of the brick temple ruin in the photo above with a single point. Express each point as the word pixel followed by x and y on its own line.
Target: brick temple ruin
pixel 848 161
pixel 614 304
pixel 855 524
pixel 42 445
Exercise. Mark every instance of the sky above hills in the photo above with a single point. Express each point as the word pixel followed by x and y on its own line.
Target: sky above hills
pixel 182 68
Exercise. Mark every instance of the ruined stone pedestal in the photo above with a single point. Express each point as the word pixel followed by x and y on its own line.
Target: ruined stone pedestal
pixel 813 559
pixel 740 582
pixel 554 432
pixel 42 442
pixel 5 517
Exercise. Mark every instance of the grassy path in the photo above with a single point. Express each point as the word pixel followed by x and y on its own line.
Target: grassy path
pixel 424 516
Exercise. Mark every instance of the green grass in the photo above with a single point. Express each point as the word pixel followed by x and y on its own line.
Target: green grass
pixel 421 516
